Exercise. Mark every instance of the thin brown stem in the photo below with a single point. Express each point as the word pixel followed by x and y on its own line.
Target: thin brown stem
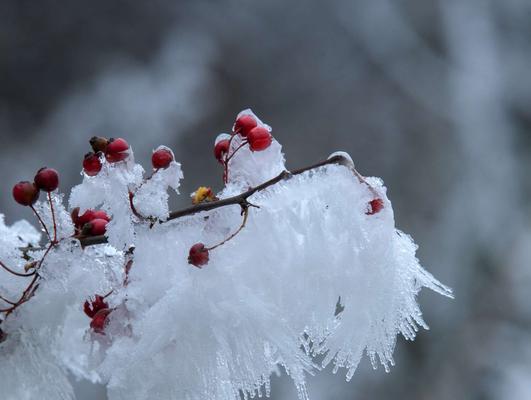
pixel 15 272
pixel 41 222
pixel 53 217
pixel 244 221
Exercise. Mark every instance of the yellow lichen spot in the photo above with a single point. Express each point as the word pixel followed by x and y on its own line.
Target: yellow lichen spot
pixel 203 194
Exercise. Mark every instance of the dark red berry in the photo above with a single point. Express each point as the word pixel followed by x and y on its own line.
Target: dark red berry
pixel 91 164
pixel 116 150
pixel 244 124
pixel 94 306
pixel 161 158
pixel 375 206
pixel 220 149
pixel 84 218
pixel 198 255
pixel 259 139
pixel 25 193
pixel 100 320
pixel 98 226
pixel 100 214
pixel 47 179
pixel 98 143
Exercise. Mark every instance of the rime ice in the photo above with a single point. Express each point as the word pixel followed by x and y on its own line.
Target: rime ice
pixel 179 332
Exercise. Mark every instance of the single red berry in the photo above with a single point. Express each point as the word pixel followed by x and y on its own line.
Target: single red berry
pixel 25 193
pixel 94 306
pixel 244 124
pixel 220 149
pixel 47 179
pixel 91 164
pixel 198 255
pixel 116 150
pixel 259 139
pixel 161 158
pixel 100 320
pixel 98 226
pixel 375 206
pixel 98 143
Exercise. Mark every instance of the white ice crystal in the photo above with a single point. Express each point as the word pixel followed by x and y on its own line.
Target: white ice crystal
pixel 267 298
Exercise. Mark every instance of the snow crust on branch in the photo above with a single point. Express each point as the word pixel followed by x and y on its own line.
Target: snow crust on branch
pixel 267 300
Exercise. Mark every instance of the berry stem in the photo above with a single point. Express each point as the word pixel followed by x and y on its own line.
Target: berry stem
pixel 41 222
pixel 6 300
pixel 53 218
pixel 245 212
pixel 14 272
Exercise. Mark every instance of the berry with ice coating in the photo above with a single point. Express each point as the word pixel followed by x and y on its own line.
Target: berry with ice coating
pixel 198 255
pixel 259 139
pixel 116 150
pixel 98 226
pixel 91 164
pixel 47 179
pixel 375 206
pixel 92 308
pixel 161 158
pixel 244 124
pixel 100 320
pixel 25 193
pixel 220 149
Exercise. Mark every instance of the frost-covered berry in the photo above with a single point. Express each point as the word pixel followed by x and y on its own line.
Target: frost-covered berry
pixel 91 164
pixel 47 179
pixel 25 193
pixel 161 158
pixel 98 226
pixel 244 124
pixel 98 143
pixel 100 320
pixel 198 255
pixel 220 149
pixel 375 206
pixel 259 139
pixel 92 307
pixel 116 150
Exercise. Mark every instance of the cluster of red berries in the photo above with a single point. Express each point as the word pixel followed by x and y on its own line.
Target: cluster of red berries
pixel 91 222
pixel 256 135
pixel 114 150
pixel 98 311
pixel 27 193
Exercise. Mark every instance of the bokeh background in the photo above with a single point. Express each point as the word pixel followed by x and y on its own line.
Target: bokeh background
pixel 431 95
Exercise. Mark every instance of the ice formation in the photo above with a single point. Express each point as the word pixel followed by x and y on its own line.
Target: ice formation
pixel 266 300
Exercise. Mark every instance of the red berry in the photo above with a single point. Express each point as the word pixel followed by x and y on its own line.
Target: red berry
pixel 100 214
pixel 91 164
pixel 83 219
pixel 47 179
pixel 259 139
pixel 98 226
pixel 116 150
pixel 25 193
pixel 220 149
pixel 98 143
pixel 161 158
pixel 244 124
pixel 198 255
pixel 375 206
pixel 94 306
pixel 100 320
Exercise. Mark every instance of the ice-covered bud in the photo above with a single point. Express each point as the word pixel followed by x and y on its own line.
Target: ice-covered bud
pixel 198 255
pixel 116 150
pixel 47 179
pixel 161 158
pixel 98 226
pixel 221 146
pixel 98 143
pixel 375 206
pixel 94 306
pixel 100 320
pixel 259 138
pixel 244 124
pixel 203 194
pixel 25 193
pixel 343 158
pixel 91 164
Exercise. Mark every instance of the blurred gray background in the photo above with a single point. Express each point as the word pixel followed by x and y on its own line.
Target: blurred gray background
pixel 431 95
